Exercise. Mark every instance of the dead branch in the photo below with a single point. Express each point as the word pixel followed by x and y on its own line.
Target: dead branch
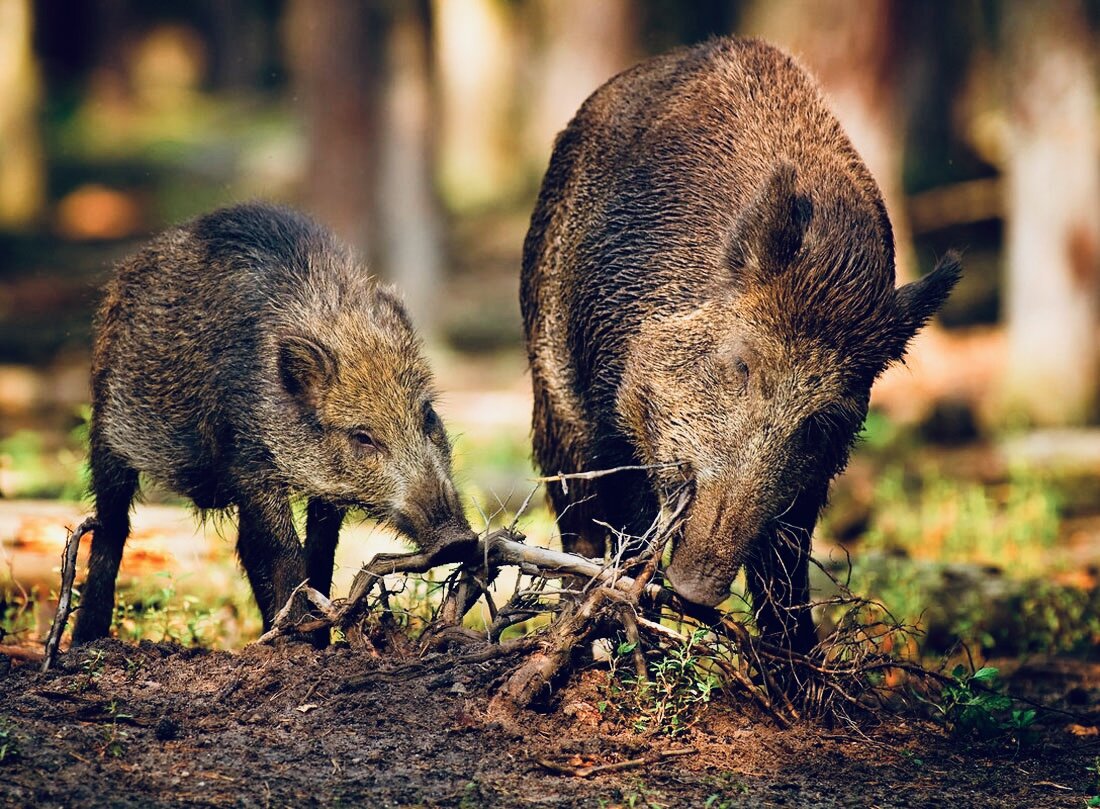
pixel 597 597
pixel 564 477
pixel 21 653
pixel 596 769
pixel 65 594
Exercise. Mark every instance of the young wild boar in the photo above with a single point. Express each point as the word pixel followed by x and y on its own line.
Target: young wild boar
pixel 245 358
pixel 708 288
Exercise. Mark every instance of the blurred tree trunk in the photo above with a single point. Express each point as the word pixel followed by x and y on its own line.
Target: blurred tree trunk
pixel 409 220
pixel 582 45
pixel 363 83
pixel 475 50
pixel 22 163
pixel 1053 200
pixel 335 49
pixel 854 51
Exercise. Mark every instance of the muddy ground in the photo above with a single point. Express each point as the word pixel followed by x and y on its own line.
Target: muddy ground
pixel 159 725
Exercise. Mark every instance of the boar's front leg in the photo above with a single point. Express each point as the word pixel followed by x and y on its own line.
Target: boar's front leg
pixel 270 551
pixel 778 575
pixel 323 522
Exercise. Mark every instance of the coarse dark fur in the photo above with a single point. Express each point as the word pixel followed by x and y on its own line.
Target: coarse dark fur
pixel 708 286
pixel 245 358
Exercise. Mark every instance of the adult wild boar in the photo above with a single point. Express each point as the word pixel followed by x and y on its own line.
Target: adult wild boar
pixel 708 289
pixel 245 358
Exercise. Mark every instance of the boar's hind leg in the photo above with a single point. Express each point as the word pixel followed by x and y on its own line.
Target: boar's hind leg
pixel 558 449
pixel 779 579
pixel 114 483
pixel 270 552
pixel 322 533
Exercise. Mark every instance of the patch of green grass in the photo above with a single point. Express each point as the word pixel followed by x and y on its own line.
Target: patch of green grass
pixel 9 742
pixel 1013 525
pixel 17 612
pixel 156 610
pixel 1094 773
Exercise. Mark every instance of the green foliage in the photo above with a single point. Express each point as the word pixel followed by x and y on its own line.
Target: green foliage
pixel 48 469
pixel 1013 525
pixel 114 737
pixel 1094 771
pixel 9 742
pixel 639 796
pixel 973 705
pixel 678 685
pixel 157 611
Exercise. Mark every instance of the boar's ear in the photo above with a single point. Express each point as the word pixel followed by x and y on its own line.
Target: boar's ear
pixel 919 300
pixel 305 368
pixel 773 226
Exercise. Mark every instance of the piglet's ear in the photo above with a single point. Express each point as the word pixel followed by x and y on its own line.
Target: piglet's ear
pixel 305 368
pixel 919 300
pixel 773 226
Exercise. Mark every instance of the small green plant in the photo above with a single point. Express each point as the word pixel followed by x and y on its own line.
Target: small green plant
pixel 1094 770
pixel 114 737
pixel 727 786
pixel 639 796
pixel 9 743
pixel 678 684
pixel 972 704
pixel 93 665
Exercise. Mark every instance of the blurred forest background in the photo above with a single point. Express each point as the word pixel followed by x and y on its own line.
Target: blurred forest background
pixel 419 131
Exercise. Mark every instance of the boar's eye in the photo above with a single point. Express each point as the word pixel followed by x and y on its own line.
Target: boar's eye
pixel 741 374
pixel 364 442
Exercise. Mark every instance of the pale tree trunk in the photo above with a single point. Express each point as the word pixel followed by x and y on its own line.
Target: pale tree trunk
pixel 854 50
pixel 408 215
pixel 579 45
pixel 22 164
pixel 363 84
pixel 475 52
pixel 336 56
pixel 1053 214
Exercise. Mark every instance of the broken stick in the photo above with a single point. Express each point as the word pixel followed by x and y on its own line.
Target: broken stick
pixel 65 595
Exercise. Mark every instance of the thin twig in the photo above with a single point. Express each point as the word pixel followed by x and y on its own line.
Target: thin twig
pixel 596 769
pixel 65 594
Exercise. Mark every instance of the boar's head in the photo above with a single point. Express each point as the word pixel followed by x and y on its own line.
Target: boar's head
pixel 759 389
pixel 361 389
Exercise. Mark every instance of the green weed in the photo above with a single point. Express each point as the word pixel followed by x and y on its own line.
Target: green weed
pixel 678 685
pixel 973 705
pixel 9 742
pixel 1094 771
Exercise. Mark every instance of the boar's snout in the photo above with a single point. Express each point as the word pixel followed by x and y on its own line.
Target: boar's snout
pixel 437 525
pixel 453 542
pixel 707 592
pixel 717 534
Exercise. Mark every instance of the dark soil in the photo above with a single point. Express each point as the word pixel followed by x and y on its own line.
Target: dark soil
pixel 157 725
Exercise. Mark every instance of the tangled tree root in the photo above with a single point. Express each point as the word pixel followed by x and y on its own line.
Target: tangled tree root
pixel 847 670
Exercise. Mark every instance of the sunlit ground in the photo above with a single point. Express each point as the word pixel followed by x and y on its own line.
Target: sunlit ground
pixel 1003 558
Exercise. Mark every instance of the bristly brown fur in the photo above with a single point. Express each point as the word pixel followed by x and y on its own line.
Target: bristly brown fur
pixel 708 280
pixel 247 357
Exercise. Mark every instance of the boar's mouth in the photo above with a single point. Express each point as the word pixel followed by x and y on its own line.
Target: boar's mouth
pixel 451 540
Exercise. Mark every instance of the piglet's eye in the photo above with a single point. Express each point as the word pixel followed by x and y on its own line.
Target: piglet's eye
pixel 364 441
